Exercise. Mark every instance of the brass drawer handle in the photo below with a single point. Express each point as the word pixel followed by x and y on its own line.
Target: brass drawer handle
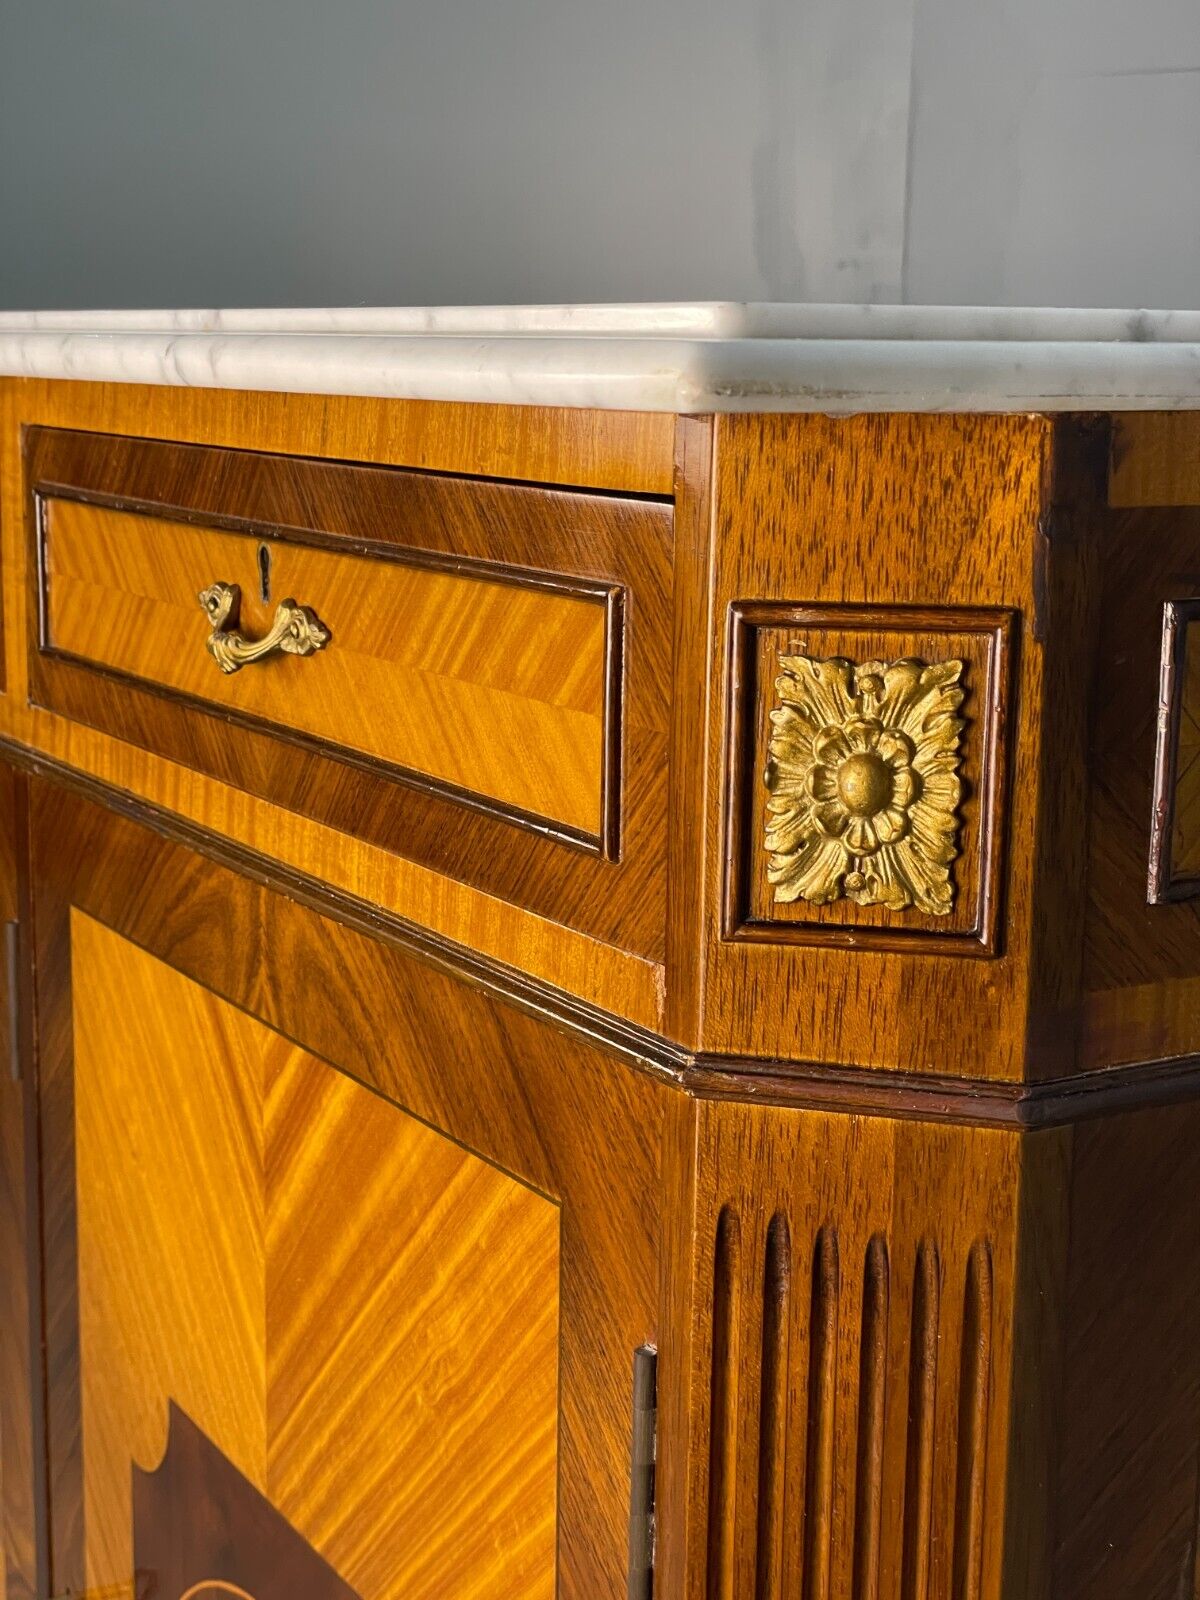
pixel 295 630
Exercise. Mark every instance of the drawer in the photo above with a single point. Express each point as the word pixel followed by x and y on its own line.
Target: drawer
pixel 466 671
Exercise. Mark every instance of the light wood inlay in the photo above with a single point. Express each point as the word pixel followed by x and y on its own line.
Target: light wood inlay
pixel 490 686
pixel 412 1332
pixel 360 1314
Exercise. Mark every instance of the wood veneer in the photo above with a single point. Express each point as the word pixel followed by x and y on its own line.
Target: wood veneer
pixel 1153 459
pixel 1140 976
pixel 1128 1415
pixel 919 516
pixel 625 452
pixel 446 674
pixel 310 1249
pixel 936 1098
pixel 911 1229
pixel 875 512
pixel 571 547
pixel 855 1346
pixel 1072 994
pixel 503 1088
pixel 241 1547
pixel 785 1243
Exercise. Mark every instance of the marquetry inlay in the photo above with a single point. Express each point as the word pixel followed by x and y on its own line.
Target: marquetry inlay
pixel 864 785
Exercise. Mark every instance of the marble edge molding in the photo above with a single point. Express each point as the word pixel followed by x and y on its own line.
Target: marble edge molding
pixel 707 319
pixel 634 372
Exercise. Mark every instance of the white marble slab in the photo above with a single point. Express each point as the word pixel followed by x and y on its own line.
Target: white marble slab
pixel 682 357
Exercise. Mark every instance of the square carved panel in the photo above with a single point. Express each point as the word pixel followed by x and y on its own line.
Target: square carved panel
pixel 866 776
pixel 1175 826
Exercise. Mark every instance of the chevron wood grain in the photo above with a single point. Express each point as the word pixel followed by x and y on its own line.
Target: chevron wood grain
pixel 421 1354
pixel 412 1348
pixel 168 1130
pixel 497 688
pixel 358 1314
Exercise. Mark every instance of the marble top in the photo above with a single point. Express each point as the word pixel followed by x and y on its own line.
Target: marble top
pixel 686 357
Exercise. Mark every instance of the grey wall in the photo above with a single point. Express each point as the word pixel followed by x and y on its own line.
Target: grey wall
pixel 207 152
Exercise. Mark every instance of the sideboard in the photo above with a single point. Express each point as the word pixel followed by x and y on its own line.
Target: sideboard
pixel 601 954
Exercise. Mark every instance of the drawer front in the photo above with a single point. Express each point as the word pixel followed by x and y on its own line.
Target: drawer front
pixel 494 688
pixel 479 681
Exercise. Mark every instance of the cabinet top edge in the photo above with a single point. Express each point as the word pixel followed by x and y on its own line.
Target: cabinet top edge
pixel 686 358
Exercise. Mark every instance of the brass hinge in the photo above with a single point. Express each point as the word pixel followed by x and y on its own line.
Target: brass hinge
pixel 12 978
pixel 641 1480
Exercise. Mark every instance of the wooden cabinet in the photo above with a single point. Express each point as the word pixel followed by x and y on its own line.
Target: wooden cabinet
pixel 654 1060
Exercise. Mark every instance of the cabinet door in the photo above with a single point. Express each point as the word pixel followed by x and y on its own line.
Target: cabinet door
pixel 345 1257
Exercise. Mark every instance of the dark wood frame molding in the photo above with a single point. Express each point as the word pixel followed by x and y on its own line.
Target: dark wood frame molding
pixel 1163 885
pixel 605 842
pixel 1052 1102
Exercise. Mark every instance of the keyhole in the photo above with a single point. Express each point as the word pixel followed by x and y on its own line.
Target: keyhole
pixel 264 573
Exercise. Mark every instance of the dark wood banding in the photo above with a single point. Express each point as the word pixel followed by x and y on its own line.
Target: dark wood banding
pixel 1169 878
pixel 928 1097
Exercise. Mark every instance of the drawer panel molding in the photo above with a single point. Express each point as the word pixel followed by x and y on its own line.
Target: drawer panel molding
pixel 497 688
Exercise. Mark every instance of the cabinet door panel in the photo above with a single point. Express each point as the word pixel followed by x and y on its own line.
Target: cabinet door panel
pixel 308 1265
pixel 326 1233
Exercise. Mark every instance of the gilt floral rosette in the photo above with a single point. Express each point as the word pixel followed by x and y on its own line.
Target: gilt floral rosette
pixel 864 783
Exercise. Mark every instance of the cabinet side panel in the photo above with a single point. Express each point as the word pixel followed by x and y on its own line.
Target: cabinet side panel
pixel 919 532
pixel 1141 976
pixel 858 1344
pixel 1127 1485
